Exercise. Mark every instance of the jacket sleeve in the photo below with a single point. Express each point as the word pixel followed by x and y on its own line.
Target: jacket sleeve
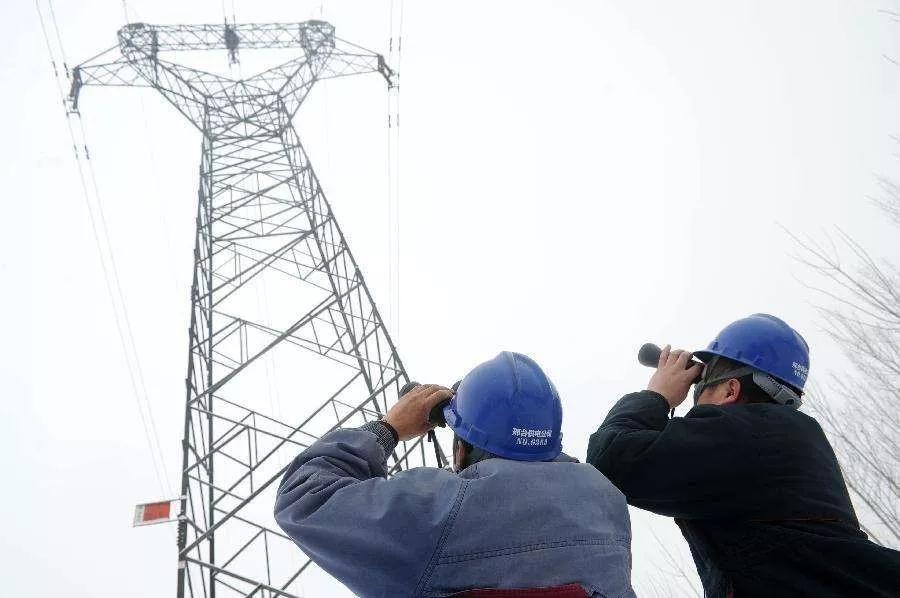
pixel 375 535
pixel 704 465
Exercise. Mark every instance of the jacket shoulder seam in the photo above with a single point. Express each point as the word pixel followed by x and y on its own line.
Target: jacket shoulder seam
pixel 619 541
pixel 445 533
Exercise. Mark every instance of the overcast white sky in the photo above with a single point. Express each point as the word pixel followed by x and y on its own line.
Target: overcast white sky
pixel 576 179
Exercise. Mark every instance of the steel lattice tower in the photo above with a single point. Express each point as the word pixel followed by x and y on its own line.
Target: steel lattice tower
pixel 263 227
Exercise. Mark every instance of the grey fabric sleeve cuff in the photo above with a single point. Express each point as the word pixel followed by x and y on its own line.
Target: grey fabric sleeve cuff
pixel 383 436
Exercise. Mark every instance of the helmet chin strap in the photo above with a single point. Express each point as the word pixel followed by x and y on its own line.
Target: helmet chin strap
pixel 700 386
pixel 777 391
pixel 780 393
pixel 432 438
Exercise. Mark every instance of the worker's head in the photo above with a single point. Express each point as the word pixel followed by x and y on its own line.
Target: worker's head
pixel 758 359
pixel 506 407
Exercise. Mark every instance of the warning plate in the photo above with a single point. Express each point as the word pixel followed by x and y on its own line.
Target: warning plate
pixel 155 512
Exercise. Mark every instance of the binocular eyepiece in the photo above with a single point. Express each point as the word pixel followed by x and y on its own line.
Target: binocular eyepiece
pixel 436 415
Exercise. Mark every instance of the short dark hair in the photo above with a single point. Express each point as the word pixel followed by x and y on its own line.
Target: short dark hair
pixel 750 392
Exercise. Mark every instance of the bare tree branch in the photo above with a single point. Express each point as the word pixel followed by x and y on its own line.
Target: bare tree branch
pixel 860 307
pixel 677 578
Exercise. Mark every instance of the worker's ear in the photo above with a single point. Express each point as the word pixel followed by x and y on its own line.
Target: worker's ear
pixel 732 392
pixel 459 455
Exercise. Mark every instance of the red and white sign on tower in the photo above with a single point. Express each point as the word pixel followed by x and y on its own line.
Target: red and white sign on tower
pixel 156 512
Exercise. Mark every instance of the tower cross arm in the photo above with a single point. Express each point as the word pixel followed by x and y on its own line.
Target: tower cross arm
pixel 226 36
pixel 142 47
pixel 293 80
pixel 185 88
pixel 138 64
pixel 106 69
pixel 345 62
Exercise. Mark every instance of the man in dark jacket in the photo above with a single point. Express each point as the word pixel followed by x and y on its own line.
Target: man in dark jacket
pixel 751 481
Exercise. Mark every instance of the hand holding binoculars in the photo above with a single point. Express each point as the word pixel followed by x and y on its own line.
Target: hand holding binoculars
pixel 648 356
pixel 436 415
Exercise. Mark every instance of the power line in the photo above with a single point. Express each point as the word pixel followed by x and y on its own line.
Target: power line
pixel 122 303
pixel 393 156
pixel 398 157
pixel 62 52
pixel 149 428
pixel 390 174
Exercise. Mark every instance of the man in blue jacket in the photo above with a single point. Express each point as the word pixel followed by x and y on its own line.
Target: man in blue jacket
pixel 516 513
pixel 751 481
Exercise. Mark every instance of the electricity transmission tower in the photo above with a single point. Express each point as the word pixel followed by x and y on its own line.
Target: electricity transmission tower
pixel 264 231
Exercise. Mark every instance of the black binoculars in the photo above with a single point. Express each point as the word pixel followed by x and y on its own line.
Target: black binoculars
pixel 436 415
pixel 648 355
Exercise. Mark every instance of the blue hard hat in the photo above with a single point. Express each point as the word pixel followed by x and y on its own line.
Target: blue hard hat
pixel 766 343
pixel 507 406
